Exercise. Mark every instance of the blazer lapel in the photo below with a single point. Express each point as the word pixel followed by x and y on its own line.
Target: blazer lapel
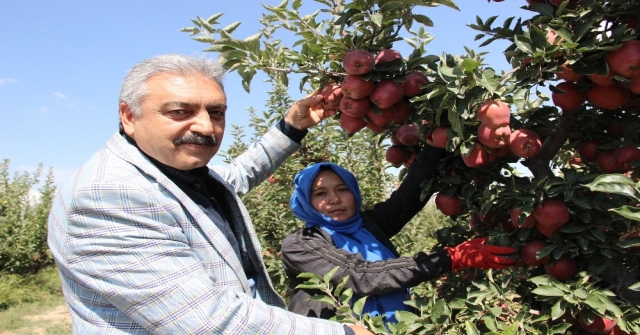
pixel 201 221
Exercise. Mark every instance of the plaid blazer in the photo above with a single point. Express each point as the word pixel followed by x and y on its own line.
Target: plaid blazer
pixel 137 256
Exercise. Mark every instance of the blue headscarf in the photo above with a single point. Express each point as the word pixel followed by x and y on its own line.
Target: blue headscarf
pixel 348 235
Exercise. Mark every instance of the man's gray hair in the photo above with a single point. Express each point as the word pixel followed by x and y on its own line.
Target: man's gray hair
pixel 134 88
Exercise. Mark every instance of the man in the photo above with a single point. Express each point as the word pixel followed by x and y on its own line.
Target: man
pixel 148 239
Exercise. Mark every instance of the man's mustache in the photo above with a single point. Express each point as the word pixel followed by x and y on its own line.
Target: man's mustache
pixel 197 139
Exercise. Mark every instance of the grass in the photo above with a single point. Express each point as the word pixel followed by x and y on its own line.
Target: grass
pixel 30 295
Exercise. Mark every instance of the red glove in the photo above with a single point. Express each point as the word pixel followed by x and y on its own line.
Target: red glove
pixel 476 253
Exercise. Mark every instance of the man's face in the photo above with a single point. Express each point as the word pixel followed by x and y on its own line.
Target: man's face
pixel 180 117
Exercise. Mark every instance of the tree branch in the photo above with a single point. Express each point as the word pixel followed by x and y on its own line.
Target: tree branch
pixel 539 164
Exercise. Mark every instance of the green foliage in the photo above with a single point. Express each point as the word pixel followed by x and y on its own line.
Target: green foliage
pixel 26 288
pixel 23 221
pixel 603 231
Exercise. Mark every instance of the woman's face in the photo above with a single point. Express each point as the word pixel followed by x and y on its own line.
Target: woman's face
pixel 331 196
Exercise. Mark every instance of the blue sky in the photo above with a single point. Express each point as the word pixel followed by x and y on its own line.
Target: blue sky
pixel 62 63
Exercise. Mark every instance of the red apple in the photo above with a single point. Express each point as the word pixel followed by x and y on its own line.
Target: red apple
pixel 354 107
pixel 374 127
pixel 386 93
pixel 574 161
pixel 524 143
pixel 408 134
pixel 599 325
pixel 626 59
pixel 412 157
pixel 606 161
pixel 402 111
pixel 634 85
pixel 396 155
pixel 551 213
pixel 608 97
pixel 528 253
pixel 529 221
pixel 414 83
pixel 547 230
pixel 386 56
pixel 625 155
pixel 358 62
pixel 588 150
pixel 566 73
pixel 438 137
pixel 618 331
pixel 494 114
pixel 478 156
pixel 531 2
pixel 355 87
pixel 383 119
pixel 552 37
pixel 272 179
pixel 602 80
pixel 450 206
pixel 572 97
pixel 351 124
pixel 494 138
pixel 332 94
pixel 562 269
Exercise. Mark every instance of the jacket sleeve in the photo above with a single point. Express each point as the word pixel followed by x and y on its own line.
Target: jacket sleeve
pixel 260 160
pixel 404 203
pixel 312 250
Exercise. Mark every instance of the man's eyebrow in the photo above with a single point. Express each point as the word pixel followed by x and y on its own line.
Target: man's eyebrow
pixel 187 104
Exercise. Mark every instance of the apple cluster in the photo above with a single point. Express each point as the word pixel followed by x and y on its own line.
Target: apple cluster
pixel 605 93
pixel 377 104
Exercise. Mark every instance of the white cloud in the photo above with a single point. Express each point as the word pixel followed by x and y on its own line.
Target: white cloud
pixel 60 95
pixel 7 80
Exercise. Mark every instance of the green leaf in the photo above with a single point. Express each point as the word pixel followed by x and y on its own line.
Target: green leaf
pixel 489 80
pixel 425 20
pixel 359 305
pixel 376 19
pixel 558 309
pixel 440 312
pixel 613 183
pixel 327 277
pixel 524 44
pixel 511 330
pixel 470 65
pixel 595 303
pixel 629 212
pixel 471 328
pixel 323 299
pixel 549 291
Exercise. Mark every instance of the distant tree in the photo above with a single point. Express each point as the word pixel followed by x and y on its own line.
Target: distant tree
pixel 23 220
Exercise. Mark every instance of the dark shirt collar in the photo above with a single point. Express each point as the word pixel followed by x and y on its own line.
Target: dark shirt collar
pixel 193 177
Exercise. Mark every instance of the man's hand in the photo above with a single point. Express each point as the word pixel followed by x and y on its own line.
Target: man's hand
pixel 307 112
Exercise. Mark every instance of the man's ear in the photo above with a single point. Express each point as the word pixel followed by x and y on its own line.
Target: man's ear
pixel 127 119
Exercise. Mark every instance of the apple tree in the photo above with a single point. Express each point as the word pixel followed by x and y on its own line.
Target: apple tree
pixel 543 157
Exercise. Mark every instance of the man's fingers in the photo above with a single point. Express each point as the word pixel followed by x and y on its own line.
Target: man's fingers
pixel 310 100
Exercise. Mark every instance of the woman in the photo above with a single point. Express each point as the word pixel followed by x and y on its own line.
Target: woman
pixel 337 234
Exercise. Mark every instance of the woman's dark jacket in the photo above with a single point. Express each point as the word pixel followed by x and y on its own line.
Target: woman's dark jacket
pixel 312 249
